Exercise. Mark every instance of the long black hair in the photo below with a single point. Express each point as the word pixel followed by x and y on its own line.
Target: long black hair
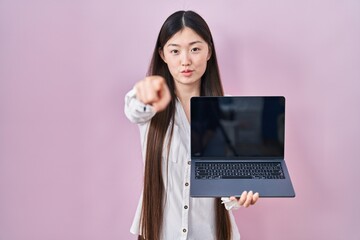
pixel 153 195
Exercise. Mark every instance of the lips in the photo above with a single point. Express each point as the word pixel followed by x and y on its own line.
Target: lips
pixel 187 72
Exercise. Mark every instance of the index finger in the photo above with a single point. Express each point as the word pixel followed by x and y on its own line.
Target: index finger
pixel 164 97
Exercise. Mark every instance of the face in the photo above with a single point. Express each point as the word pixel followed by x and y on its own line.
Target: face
pixel 186 55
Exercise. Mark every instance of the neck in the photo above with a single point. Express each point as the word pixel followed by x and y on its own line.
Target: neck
pixel 184 93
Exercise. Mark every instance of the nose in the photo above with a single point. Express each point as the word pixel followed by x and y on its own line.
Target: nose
pixel 185 59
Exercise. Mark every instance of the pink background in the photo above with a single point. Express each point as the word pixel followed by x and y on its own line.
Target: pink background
pixel 70 163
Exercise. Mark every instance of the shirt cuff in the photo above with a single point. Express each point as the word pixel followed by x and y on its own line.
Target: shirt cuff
pixel 135 110
pixel 138 105
pixel 230 204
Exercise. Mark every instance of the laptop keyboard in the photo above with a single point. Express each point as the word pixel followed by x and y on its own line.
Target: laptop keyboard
pixel 238 170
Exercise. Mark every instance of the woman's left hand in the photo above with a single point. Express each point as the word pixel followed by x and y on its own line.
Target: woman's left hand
pixel 246 199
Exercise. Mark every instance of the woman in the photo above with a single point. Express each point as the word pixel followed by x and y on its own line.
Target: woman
pixel 183 65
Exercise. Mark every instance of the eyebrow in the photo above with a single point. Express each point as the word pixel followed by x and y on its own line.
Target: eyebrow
pixel 177 45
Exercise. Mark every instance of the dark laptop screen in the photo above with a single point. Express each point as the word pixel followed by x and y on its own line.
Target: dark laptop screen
pixel 240 127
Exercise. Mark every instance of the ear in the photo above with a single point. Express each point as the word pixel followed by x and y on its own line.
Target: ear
pixel 161 53
pixel 209 54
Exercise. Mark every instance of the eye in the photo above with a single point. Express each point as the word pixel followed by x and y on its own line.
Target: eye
pixel 174 51
pixel 195 49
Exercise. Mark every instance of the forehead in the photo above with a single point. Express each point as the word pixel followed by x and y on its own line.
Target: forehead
pixel 185 37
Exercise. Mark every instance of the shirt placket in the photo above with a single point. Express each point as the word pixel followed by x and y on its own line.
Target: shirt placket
pixel 186 181
pixel 185 201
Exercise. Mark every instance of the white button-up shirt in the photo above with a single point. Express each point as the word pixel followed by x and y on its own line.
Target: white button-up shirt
pixel 184 217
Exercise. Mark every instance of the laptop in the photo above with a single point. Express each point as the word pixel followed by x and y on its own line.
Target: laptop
pixel 237 144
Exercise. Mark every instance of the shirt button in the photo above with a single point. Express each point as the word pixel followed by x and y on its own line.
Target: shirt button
pixel 186 184
pixel 189 162
pixel 186 207
pixel 184 230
